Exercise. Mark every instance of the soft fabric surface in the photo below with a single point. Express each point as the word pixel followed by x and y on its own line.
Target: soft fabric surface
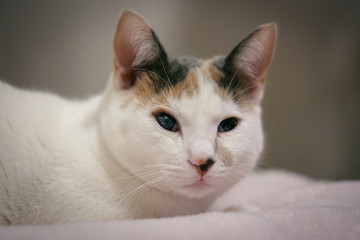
pixel 292 207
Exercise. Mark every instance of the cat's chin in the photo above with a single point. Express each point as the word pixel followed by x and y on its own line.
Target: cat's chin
pixel 198 185
pixel 197 189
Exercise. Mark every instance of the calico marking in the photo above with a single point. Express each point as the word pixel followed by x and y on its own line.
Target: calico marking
pixel 162 77
pixel 166 73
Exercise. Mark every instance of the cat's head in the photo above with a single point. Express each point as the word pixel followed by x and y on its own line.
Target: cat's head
pixel 185 126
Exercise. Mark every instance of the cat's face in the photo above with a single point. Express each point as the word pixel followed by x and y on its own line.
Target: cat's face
pixel 185 126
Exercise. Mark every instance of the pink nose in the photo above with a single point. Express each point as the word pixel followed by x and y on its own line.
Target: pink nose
pixel 202 165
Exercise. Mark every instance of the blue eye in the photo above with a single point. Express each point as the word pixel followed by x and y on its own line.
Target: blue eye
pixel 227 125
pixel 167 122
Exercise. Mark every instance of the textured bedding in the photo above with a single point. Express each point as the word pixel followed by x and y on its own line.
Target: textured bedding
pixel 290 207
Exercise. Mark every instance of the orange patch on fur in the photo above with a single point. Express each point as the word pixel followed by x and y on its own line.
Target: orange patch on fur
pixel 211 71
pixel 144 89
pixel 225 155
pixel 146 94
pixel 215 74
pixel 189 86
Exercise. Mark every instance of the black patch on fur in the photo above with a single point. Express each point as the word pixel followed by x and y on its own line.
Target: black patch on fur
pixel 165 72
pixel 234 79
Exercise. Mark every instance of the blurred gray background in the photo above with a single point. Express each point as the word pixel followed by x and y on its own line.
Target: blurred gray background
pixel 312 101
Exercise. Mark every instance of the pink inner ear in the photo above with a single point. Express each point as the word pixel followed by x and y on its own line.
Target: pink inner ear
pixel 124 50
pixel 254 59
pixel 132 34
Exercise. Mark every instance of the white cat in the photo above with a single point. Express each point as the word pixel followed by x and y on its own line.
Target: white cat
pixel 165 138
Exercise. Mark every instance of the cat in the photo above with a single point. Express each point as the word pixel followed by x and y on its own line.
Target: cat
pixel 165 138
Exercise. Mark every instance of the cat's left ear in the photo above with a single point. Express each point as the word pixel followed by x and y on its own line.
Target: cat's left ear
pixel 247 64
pixel 135 45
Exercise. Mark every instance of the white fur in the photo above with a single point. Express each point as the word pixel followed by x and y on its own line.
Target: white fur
pixel 107 159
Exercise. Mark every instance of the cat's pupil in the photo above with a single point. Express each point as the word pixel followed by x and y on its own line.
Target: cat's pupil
pixel 166 121
pixel 227 124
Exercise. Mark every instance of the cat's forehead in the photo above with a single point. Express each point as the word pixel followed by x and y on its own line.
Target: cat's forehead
pixel 182 77
pixel 205 103
pixel 169 74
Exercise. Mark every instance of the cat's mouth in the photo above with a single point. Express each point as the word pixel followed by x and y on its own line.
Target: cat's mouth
pixel 199 184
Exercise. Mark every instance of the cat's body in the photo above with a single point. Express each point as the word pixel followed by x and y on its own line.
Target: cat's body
pixel 61 169
pixel 165 138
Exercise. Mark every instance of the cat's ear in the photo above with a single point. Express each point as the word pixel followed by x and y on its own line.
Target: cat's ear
pixel 135 45
pixel 249 60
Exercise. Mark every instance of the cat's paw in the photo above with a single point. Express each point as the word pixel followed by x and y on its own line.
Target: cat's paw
pixel 243 208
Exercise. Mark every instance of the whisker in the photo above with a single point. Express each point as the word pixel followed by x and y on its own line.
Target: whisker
pixel 152 72
pixel 231 80
pixel 149 71
pixel 143 173
pixel 242 91
pixel 140 188
pixel 162 64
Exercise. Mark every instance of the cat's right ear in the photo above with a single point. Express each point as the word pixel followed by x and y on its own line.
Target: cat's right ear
pixel 134 45
pixel 246 66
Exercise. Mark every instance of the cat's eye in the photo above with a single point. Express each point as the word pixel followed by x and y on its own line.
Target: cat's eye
pixel 167 122
pixel 227 124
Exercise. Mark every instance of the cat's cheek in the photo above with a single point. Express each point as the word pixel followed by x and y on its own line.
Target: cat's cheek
pixel 247 153
pixel 122 132
pixel 223 152
pixel 141 144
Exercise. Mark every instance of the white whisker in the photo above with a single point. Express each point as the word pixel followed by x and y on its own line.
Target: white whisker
pixel 162 64
pixel 231 80
pixel 141 187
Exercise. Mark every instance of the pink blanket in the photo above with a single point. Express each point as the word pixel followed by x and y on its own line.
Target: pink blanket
pixel 291 207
